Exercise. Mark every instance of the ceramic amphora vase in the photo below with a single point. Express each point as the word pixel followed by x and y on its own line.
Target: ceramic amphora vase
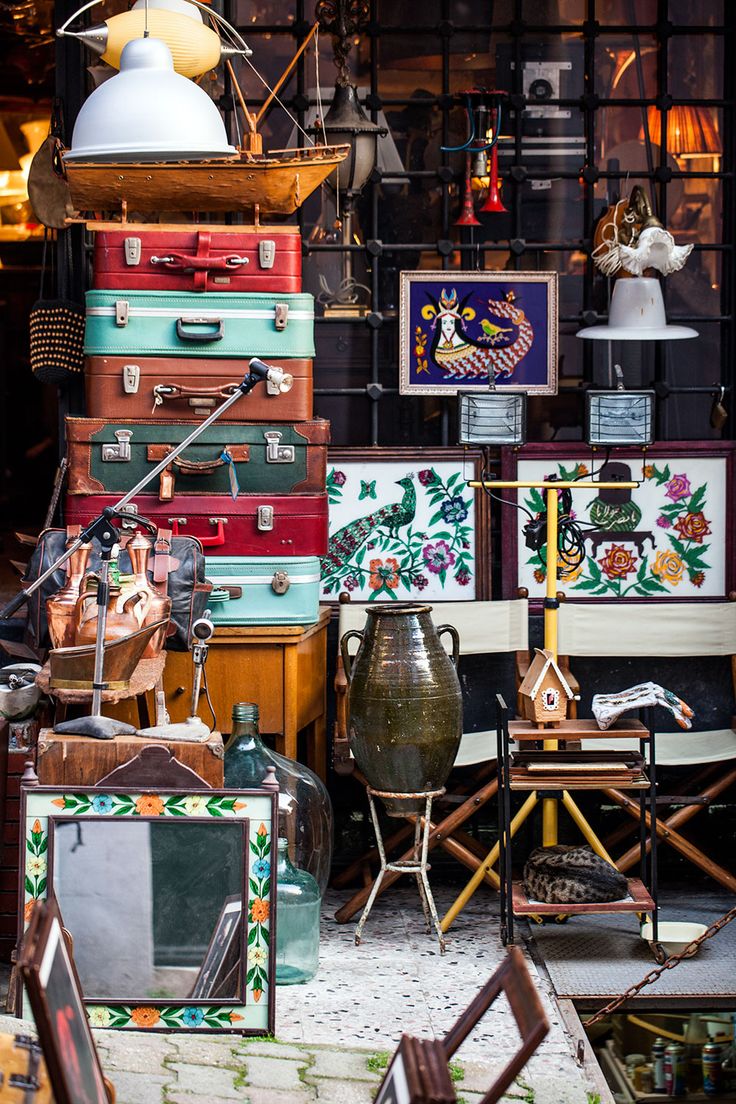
pixel 405 703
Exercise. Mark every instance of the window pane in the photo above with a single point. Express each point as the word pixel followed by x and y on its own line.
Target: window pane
pixel 626 67
pixel 695 68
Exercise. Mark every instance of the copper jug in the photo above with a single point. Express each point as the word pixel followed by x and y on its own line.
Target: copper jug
pixel 120 622
pixel 159 606
pixel 61 607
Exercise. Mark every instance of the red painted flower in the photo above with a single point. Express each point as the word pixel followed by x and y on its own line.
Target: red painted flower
pixel 426 477
pixel 698 578
pixel 678 487
pixel 384 574
pixel 618 562
pixel 693 527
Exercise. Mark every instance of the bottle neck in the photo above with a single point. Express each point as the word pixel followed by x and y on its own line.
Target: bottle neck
pixel 246 734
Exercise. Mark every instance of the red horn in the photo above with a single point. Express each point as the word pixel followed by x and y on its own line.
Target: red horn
pixel 493 202
pixel 467 214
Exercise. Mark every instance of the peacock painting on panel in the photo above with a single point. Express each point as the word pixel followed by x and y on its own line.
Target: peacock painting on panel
pixel 404 525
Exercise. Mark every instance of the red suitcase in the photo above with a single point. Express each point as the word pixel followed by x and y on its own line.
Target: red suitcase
pixel 197 258
pixel 251 525
pixel 187 389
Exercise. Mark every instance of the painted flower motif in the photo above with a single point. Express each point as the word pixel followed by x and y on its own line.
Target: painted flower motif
pixel 421 581
pixel 98 1016
pixel 698 578
pixel 145 1017
pixel 678 487
pixel 339 478
pixel 234 1016
pixel 257 956
pixel 257 994
pixel 462 576
pixel 384 574
pixel 192 1017
pixel 438 557
pixel 539 575
pixel 663 522
pixel 427 477
pixel 259 910
pixel 618 562
pixel 454 510
pixel 582 469
pixel 195 803
pixel 102 803
pixel 28 910
pixel 569 572
pixel 351 582
pixel 668 566
pixel 261 868
pixel 149 805
pixel 693 527
pixel 36 865
pixel 36 826
pixel 649 471
pixel 262 829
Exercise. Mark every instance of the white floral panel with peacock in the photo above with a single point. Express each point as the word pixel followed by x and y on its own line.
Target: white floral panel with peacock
pixel 665 539
pixel 400 532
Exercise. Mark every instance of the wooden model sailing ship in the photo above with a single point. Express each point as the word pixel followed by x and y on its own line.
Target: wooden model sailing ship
pixel 248 180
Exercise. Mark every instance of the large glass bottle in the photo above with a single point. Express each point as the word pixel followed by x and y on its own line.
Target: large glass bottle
pixel 297 921
pixel 305 810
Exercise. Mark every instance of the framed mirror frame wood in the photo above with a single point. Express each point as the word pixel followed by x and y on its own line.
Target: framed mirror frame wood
pixel 252 1011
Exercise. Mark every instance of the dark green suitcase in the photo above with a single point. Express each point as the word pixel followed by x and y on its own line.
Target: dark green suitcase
pixel 248 458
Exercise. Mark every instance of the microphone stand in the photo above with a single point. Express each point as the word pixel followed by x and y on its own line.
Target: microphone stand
pixel 103 529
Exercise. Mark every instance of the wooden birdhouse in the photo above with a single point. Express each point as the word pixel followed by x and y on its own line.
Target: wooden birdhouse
pixel 544 693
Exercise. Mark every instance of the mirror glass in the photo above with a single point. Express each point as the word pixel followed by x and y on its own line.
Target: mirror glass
pixel 154 906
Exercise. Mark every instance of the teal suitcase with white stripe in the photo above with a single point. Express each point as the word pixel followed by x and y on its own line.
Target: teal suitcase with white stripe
pixel 188 324
pixel 263 590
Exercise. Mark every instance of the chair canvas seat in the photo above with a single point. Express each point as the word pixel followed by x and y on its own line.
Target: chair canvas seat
pixel 679 749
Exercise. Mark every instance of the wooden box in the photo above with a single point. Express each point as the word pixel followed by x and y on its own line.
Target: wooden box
pixel 83 761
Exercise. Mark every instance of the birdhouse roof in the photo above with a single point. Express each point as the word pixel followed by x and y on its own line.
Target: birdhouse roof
pixel 538 669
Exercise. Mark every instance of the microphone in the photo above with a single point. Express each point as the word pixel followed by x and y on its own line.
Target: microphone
pixel 283 380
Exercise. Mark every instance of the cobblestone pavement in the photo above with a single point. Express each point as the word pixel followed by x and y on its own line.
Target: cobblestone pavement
pixel 334 1035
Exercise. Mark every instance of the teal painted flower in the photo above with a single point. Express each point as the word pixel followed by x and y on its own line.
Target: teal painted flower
pixel 102 803
pixel 192 1017
pixel 261 868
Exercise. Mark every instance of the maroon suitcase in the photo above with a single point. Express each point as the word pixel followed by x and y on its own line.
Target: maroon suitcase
pixel 251 525
pixel 198 258
pixel 187 389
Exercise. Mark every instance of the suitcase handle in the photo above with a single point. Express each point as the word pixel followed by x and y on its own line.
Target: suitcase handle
pixel 184 262
pixel 163 391
pixel 238 454
pixel 215 541
pixel 196 335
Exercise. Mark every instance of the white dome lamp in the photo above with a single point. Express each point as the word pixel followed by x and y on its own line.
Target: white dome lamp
pixel 637 314
pixel 148 112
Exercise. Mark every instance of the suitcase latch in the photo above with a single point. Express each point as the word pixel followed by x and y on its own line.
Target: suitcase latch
pixel 132 251
pixel 276 453
pixel 280 582
pixel 121 312
pixel 131 378
pixel 132 511
pixel 120 451
pixel 266 253
pixel 281 311
pixel 272 388
pixel 265 519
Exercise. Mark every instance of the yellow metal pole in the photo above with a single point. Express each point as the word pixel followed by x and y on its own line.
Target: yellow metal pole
pixel 549 805
pixel 486 867
pixel 585 828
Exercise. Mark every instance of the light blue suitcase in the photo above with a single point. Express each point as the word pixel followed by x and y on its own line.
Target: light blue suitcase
pixel 264 590
pixel 188 324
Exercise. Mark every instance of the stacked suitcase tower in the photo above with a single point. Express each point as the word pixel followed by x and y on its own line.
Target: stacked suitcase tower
pixel 173 318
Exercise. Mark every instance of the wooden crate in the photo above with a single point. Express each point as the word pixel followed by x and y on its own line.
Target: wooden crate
pixel 83 761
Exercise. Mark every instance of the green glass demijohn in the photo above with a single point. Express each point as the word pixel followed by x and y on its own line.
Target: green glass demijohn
pixel 305 810
pixel 297 921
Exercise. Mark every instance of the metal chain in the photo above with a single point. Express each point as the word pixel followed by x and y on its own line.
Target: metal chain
pixel 671 962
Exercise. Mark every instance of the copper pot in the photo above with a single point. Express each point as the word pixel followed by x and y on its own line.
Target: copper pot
pixel 125 615
pixel 61 607
pixel 159 606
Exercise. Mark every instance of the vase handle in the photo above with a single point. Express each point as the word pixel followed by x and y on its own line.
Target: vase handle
pixel 455 640
pixel 347 659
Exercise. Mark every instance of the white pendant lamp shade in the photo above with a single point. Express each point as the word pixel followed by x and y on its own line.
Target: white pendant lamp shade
pixel 183 7
pixel 148 112
pixel 637 314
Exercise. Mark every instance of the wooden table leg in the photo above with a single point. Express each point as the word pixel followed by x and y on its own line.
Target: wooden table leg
pixel 291 703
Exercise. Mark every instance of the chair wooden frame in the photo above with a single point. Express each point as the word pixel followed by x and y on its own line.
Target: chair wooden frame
pixel 446 833
pixel 575 621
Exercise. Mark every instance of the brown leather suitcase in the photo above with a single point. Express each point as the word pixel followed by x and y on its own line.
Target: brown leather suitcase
pixel 187 389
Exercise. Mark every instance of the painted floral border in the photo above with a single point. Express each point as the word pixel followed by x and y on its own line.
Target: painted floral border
pixel 258 810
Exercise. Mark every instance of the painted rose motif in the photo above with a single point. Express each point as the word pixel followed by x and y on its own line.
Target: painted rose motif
pixel 145 1017
pixel 618 562
pixel 693 527
pixel 668 567
pixel 338 478
pixel 569 572
pixel 438 557
pixel 384 574
pixel 149 805
pixel 426 477
pixel 678 487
